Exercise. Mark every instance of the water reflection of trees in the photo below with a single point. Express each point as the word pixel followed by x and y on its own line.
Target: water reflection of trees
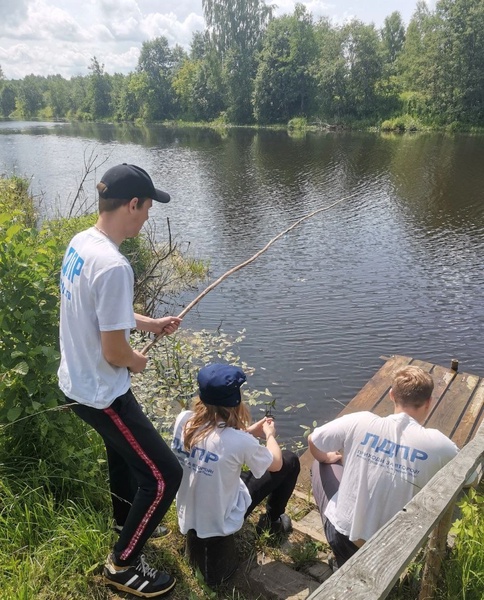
pixel 438 180
pixel 145 134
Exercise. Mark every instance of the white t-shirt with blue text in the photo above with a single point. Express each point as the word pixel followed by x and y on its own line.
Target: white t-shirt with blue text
pixel 96 295
pixel 212 499
pixel 386 462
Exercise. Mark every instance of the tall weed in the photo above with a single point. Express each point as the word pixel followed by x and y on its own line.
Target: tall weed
pixel 48 547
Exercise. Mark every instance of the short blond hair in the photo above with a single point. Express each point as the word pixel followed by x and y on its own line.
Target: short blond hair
pixel 412 386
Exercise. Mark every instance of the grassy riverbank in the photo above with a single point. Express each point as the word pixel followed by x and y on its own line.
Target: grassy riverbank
pixel 404 123
pixel 53 548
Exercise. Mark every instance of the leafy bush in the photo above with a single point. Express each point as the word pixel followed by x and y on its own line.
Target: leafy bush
pixel 298 123
pixel 29 299
pixel 14 196
pixel 464 571
pixel 401 124
pixel 169 382
pixel 30 421
pixel 222 120
pixel 415 103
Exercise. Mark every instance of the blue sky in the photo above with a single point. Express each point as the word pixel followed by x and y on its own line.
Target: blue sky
pixel 46 37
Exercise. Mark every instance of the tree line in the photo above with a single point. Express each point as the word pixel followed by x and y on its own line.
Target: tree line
pixel 249 67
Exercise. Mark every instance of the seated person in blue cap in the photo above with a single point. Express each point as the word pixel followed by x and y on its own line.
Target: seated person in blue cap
pixel 213 442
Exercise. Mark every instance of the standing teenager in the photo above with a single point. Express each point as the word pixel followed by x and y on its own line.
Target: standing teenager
pixel 96 364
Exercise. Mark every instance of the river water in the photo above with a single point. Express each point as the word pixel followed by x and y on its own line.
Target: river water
pixel 396 268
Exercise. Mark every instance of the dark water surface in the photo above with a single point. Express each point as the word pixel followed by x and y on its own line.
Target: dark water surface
pixel 394 269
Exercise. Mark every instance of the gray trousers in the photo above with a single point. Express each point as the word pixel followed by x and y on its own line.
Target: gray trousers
pixel 325 481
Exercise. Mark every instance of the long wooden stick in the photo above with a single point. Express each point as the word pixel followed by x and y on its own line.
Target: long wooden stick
pixel 213 285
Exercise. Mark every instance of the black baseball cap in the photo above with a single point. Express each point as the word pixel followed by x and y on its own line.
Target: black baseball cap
pixel 125 181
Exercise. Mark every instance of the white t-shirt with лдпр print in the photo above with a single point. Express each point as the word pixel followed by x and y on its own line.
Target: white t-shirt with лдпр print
pixel 386 462
pixel 96 295
pixel 212 499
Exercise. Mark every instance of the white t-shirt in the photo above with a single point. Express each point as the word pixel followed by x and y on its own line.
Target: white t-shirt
pixel 212 499
pixel 96 295
pixel 386 462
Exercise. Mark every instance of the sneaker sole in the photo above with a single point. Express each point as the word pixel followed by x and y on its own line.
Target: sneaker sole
pixel 129 590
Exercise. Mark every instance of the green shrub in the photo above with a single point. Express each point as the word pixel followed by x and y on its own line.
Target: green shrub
pixel 222 120
pixel 298 123
pixel 414 103
pixel 169 382
pixel 401 124
pixel 14 196
pixel 464 571
pixel 30 421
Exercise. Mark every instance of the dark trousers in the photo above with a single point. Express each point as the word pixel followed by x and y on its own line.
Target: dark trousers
pixel 276 487
pixel 144 474
pixel 325 481
pixel 216 557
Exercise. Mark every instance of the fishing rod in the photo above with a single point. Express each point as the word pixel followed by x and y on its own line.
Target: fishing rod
pixel 213 285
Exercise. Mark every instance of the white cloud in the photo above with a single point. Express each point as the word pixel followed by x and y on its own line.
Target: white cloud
pixel 316 7
pixel 175 31
pixel 60 36
pixel 121 17
pixel 45 21
pixel 17 54
pixel 23 59
pixel 101 34
pixel 12 12
pixel 54 36
pixel 125 62
pixel 120 8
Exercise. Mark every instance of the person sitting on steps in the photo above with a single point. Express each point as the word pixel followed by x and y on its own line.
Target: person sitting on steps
pixel 387 460
pixel 213 442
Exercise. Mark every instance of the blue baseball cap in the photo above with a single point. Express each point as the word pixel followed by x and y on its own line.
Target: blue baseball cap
pixel 219 384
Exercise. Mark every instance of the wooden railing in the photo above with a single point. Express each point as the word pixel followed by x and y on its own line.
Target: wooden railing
pixel 372 572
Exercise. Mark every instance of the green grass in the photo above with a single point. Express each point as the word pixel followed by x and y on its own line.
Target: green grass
pixel 53 550
pixel 48 548
pixel 53 547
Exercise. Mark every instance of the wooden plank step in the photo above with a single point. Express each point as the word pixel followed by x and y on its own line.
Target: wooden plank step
pixel 311 525
pixel 453 404
pixel 377 387
pixel 443 379
pixel 277 581
pixel 303 484
pixel 305 496
pixel 472 418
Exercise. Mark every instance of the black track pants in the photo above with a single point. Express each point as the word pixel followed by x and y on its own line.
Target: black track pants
pixel 144 474
pixel 277 487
